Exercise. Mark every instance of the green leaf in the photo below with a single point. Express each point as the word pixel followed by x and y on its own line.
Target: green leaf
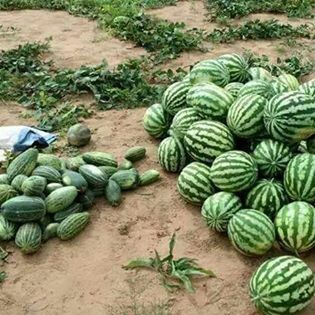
pixel 3 254
pixel 3 276
pixel 140 263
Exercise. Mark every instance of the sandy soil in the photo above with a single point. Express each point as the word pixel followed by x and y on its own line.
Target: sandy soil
pixel 75 41
pixel 85 275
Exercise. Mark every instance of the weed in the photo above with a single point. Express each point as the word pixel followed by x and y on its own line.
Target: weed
pixel 175 274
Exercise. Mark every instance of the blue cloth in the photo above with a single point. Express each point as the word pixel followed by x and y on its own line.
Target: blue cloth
pixel 29 137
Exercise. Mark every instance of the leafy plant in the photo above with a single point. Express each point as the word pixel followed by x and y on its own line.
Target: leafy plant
pixel 175 274
pixel 257 29
pixel 223 10
pixel 153 4
pixel 3 276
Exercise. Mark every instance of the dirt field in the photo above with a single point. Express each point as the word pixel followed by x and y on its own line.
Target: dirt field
pixel 85 275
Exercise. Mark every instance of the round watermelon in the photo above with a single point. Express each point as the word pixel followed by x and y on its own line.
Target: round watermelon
pixel 268 196
pixel 207 71
pixel 237 66
pixel 183 120
pixel 156 121
pixel 258 73
pixel 245 116
pixel 233 88
pixel 295 227
pixel 299 177
pixel 251 232
pixel 194 183
pixel 290 81
pixel 257 87
pixel 308 87
pixel 234 171
pixel 210 100
pixel 172 155
pixel 282 286
pixel 289 117
pixel 272 157
pixel 207 139
pixel 218 209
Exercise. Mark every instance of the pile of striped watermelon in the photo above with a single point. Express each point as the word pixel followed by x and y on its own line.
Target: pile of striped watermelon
pixel 243 143
pixel 43 196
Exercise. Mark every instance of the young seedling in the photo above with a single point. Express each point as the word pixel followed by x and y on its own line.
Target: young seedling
pixel 175 273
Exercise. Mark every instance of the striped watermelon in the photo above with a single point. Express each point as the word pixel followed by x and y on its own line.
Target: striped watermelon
pixel 218 209
pixel 234 171
pixel 233 88
pixel 172 155
pixel 311 145
pixel 211 101
pixel 295 227
pixel 258 73
pixel 194 183
pixel 6 192
pixel 282 286
pixel 290 81
pixel 289 117
pixel 183 120
pixel 267 196
pixel 299 177
pixel 156 121
pixel 272 157
pixel 251 232
pixel 245 116
pixel 258 87
pixel 308 88
pixel 208 71
pixel 174 98
pixel 206 140
pixel 277 87
pixel 237 66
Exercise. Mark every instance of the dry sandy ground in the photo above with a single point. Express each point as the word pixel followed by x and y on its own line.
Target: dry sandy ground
pixel 85 275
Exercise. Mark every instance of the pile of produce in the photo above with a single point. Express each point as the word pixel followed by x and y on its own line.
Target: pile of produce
pixel 243 143
pixel 43 196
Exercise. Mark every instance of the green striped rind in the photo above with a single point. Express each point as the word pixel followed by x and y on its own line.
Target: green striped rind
pixel 28 238
pixel 100 158
pixel 34 185
pixel 272 157
pixel 237 66
pixel 194 183
pixel 245 116
pixel 295 227
pixel 282 286
pixel 74 163
pixel 277 87
pixel 49 160
pixel 23 164
pixel 60 199
pixel 258 73
pixel 174 98
pixel 206 140
pixel 208 71
pixel 308 87
pixel 51 174
pixel 251 232
pixel 290 81
pixel 23 209
pixel 72 225
pixel 4 179
pixel 156 121
pixel 267 196
pixel 7 229
pixel 258 87
pixel 183 120
pixel 136 153
pixel 218 209
pixel 289 117
pixel 299 177
pixel 311 145
pixel 172 154
pixel 93 175
pixel 234 171
pixel 233 88
pixel 18 181
pixel 6 192
pixel 211 101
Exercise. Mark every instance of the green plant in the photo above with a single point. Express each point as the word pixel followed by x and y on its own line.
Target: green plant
pixel 222 10
pixel 153 4
pixel 257 29
pixel 175 274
